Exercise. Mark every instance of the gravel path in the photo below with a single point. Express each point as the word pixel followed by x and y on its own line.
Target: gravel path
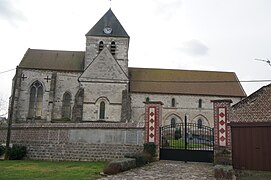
pixel 167 170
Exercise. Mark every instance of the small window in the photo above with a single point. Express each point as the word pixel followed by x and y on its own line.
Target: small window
pixel 173 104
pixel 173 122
pixel 147 99
pixel 101 46
pixel 113 48
pixel 102 110
pixel 200 103
pixel 199 123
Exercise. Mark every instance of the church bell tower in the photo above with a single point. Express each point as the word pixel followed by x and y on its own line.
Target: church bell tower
pixel 108 33
pixel 105 77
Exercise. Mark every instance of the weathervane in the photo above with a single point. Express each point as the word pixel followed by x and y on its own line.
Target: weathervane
pixel 110 4
pixel 267 61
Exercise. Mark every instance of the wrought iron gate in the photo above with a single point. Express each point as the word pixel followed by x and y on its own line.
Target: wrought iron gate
pixel 187 142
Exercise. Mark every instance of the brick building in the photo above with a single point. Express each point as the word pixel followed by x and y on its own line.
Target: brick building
pixel 250 131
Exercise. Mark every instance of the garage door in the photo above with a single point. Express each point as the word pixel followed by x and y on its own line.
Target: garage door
pixel 251 146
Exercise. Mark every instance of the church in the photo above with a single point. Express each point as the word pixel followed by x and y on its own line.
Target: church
pixel 97 85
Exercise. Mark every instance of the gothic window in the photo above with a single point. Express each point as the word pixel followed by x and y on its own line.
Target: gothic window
pixel 66 106
pixel 102 110
pixel 101 46
pixel 200 103
pixel 35 101
pixel 173 122
pixel 173 102
pixel 199 123
pixel 113 48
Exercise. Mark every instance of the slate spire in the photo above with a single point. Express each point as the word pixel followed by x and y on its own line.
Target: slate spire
pixel 108 25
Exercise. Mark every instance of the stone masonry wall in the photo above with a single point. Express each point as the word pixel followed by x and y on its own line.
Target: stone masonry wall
pixel 76 141
pixel 185 104
pixel 122 45
pixel 52 96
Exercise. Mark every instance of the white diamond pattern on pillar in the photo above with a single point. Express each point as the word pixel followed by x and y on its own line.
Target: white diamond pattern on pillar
pixel 222 126
pixel 152 125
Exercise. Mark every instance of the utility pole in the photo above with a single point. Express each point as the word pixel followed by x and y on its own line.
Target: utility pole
pixel 10 115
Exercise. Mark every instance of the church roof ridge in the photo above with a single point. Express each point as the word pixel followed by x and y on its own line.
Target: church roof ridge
pixel 189 70
pixel 108 20
pixel 53 50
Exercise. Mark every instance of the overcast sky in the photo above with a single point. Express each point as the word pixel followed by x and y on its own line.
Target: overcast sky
pixel 224 35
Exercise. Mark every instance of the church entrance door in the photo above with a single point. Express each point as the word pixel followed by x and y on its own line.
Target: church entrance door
pixel 186 142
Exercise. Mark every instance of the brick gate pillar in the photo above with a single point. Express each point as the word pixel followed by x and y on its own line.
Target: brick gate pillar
pixel 222 140
pixel 153 119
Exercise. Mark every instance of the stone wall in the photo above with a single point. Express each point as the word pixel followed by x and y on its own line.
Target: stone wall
pixel 110 94
pixel 121 55
pixel 76 141
pixel 53 89
pixel 185 104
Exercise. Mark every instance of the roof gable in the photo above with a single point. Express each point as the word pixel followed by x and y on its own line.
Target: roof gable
pixel 166 81
pixel 108 20
pixel 255 99
pixel 104 68
pixel 256 107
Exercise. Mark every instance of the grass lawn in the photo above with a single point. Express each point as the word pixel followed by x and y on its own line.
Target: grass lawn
pixel 181 144
pixel 24 169
pixel 252 175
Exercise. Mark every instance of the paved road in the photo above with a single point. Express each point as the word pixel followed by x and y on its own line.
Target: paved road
pixel 167 170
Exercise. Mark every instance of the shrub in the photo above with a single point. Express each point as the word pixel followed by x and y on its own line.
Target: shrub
pixel 2 150
pixel 120 165
pixel 150 148
pixel 17 152
pixel 141 158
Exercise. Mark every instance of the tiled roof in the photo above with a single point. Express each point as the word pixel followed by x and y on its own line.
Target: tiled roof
pixel 108 20
pixel 144 80
pixel 166 81
pixel 53 60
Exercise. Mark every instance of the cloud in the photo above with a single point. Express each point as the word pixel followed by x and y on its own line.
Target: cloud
pixel 9 13
pixel 194 48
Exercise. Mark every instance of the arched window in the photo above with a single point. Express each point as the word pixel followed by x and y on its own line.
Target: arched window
pixel 200 103
pixel 199 123
pixel 35 101
pixel 113 48
pixel 101 46
pixel 173 122
pixel 173 103
pixel 66 106
pixel 147 99
pixel 102 110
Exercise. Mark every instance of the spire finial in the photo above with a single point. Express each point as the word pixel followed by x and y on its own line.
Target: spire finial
pixel 109 4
